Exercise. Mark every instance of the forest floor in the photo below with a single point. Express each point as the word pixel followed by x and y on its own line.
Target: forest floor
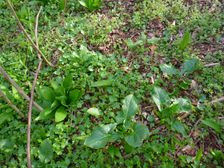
pixel 168 55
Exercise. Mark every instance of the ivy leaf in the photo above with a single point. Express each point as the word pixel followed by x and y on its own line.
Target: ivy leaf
pixel 136 138
pixel 185 41
pixel 46 151
pixel 190 66
pixel 94 111
pixel 213 124
pixel 60 114
pixel 178 127
pixel 101 136
pixel 160 97
pixel 47 93
pixel 130 107
pixel 168 69
pixel 102 83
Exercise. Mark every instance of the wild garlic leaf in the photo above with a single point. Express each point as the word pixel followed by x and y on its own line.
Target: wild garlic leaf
pixel 60 114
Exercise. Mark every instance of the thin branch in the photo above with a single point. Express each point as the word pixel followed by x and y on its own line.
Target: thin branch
pixel 6 99
pixel 211 64
pixel 29 165
pixel 217 100
pixel 27 35
pixel 20 90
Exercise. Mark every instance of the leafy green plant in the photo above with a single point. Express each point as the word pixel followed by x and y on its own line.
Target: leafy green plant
pixel 59 97
pixel 91 4
pixel 124 128
pixel 188 67
pixel 170 108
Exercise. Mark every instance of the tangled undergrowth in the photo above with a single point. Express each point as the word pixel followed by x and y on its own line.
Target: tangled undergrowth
pixel 134 83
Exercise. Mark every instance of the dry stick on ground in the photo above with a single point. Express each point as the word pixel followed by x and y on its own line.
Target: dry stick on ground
pixel 28 36
pixel 6 99
pixel 32 93
pixel 20 90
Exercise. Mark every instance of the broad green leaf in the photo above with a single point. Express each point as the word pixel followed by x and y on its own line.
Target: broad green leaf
pixel 62 4
pixel 136 138
pixel 213 124
pixel 178 127
pixel 83 3
pixel 47 93
pixel 185 41
pixel 190 66
pixel 6 144
pixel 46 114
pixel 62 100
pixel 160 97
pixel 130 107
pixel 46 151
pixel 168 69
pixel 74 96
pixel 55 105
pixel 60 114
pixel 184 104
pixel 55 85
pixel 101 136
pixel 169 112
pixel 4 117
pixel 67 83
pixel 102 83
pixel 114 151
pixel 94 111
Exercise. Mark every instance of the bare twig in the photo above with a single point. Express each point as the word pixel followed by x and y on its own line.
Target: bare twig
pixel 20 90
pixel 211 64
pixel 29 165
pixel 6 99
pixel 217 100
pixel 28 36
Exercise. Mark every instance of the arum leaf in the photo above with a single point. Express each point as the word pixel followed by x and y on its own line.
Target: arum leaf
pixel 160 97
pixel 213 124
pixel 93 111
pixel 190 66
pixel 179 127
pixel 101 136
pixel 60 114
pixel 184 104
pixel 130 107
pixel 136 138
pixel 168 69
